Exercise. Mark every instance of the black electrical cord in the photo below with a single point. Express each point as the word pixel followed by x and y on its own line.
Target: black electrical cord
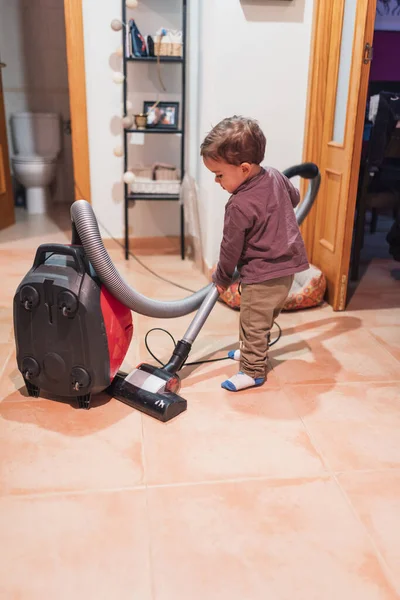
pixel 182 287
pixel 198 362
pixel 174 342
pixel 137 259
pixel 279 335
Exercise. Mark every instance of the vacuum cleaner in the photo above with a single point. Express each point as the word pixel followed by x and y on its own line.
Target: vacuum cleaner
pixel 73 321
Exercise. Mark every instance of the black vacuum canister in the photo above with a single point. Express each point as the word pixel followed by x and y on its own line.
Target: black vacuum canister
pixel 71 334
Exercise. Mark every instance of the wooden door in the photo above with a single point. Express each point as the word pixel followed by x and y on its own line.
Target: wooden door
pixel 7 217
pixel 77 96
pixel 340 82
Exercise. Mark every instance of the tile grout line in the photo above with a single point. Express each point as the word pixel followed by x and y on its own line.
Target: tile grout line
pixel 148 524
pixel 156 486
pixel 381 559
pixel 6 362
pixel 334 476
pixel 367 471
pixel 189 390
pixel 183 484
pixel 381 344
pixel 343 383
pixel 280 385
pixel 324 460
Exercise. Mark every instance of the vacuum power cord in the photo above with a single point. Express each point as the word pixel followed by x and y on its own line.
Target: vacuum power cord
pixel 143 265
pixel 198 362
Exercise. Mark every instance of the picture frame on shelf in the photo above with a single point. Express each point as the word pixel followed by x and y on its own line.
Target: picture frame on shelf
pixel 161 115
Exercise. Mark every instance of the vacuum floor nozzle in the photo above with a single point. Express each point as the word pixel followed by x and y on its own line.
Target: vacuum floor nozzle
pixel 161 405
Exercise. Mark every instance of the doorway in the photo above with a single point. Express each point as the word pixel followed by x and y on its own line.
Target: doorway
pixel 43 69
pixel 376 234
pixel 338 86
pixel 35 86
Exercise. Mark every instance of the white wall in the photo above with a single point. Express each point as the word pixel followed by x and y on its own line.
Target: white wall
pixel 32 44
pixel 246 57
pixel 254 62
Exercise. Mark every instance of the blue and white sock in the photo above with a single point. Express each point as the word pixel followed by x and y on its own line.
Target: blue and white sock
pixel 234 354
pixel 241 381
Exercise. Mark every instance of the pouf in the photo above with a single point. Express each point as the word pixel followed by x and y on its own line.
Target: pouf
pixel 307 291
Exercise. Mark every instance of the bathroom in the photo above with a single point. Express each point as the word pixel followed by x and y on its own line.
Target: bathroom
pixel 36 103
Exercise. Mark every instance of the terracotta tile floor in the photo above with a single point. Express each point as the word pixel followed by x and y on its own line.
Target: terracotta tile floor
pixel 287 492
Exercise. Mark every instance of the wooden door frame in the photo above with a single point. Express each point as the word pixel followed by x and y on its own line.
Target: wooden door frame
pixel 316 101
pixel 6 191
pixel 77 97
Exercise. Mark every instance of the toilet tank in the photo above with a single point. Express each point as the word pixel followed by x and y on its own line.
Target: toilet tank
pixel 36 134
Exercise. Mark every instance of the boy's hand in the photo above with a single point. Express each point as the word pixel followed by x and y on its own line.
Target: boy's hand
pixel 220 289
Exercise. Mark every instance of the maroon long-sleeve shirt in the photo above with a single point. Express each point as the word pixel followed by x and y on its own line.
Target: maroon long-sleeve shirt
pixel 261 236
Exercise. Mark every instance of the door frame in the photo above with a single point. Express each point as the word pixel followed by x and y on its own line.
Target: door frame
pixel 316 99
pixel 74 35
pixel 316 102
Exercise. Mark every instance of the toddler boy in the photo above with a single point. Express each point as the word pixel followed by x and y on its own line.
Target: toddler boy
pixel 261 238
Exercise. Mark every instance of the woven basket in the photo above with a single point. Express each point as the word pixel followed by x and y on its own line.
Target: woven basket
pixel 156 172
pixel 176 49
pixel 166 173
pixel 162 48
pixel 148 186
pixel 145 172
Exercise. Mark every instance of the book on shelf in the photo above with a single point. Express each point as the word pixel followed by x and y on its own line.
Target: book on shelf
pixel 128 41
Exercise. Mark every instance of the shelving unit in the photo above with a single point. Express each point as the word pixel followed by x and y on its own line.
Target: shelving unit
pixel 157 131
pixel 181 61
pixel 168 59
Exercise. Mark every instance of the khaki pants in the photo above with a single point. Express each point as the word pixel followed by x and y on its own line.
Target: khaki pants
pixel 260 305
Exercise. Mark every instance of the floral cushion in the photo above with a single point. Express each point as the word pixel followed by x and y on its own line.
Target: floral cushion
pixel 308 290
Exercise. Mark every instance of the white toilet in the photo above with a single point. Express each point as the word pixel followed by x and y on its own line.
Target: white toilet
pixel 37 142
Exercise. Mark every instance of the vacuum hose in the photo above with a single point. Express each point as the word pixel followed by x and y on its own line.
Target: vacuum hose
pixel 306 171
pixel 85 222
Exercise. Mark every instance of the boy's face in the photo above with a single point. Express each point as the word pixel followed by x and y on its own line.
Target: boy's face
pixel 229 177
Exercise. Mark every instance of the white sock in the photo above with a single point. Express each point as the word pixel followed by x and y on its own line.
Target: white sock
pixel 241 381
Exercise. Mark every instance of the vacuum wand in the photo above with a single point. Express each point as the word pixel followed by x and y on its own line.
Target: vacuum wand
pixel 183 347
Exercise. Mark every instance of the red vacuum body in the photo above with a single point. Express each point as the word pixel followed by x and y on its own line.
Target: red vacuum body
pixel 71 334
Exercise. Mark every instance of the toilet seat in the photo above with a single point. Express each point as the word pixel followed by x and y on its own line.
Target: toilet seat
pixel 21 159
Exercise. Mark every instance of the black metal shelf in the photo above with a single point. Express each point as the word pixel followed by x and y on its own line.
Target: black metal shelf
pixel 164 59
pixel 177 60
pixel 155 130
pixel 163 197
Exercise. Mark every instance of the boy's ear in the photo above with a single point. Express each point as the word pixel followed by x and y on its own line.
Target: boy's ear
pixel 246 167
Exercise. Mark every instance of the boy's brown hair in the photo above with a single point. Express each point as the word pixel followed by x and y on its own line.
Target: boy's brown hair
pixel 235 140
